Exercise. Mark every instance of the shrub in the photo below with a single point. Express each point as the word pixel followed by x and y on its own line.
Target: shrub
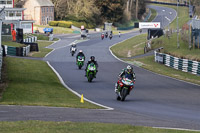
pixel 53 23
pixel 66 24
pixel 86 25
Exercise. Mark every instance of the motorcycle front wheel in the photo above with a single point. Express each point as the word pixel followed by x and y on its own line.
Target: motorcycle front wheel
pixel 124 93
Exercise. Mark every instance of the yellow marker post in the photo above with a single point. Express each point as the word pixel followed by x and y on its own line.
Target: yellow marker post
pixel 82 100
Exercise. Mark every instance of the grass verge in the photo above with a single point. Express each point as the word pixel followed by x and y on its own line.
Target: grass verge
pixel 170 46
pixel 13 44
pixel 42 50
pixel 153 15
pixel 183 15
pixel 130 47
pixel 56 30
pixel 32 82
pixel 73 127
pixel 150 64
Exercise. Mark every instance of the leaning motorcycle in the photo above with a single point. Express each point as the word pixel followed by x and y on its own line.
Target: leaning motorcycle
pixel 73 51
pixel 80 62
pixel 125 85
pixel 91 72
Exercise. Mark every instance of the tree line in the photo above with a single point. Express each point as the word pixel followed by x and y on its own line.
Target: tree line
pixel 99 11
pixel 96 11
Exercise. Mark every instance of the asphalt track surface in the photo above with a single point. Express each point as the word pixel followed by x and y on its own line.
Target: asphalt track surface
pixel 156 101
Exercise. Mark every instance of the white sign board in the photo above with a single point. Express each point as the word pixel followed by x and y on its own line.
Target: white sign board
pixel 149 25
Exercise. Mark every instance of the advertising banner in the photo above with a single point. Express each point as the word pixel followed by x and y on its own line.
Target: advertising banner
pixel 149 25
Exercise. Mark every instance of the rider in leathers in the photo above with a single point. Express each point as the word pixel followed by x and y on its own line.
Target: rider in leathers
pixel 92 59
pixel 128 70
pixel 80 54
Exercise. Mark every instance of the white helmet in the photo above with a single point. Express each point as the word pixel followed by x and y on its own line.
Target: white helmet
pixel 129 68
pixel 80 51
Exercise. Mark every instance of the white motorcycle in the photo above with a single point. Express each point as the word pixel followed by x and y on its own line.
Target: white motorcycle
pixel 73 51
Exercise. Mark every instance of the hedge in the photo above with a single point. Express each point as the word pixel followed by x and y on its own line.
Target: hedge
pixel 66 24
pixel 53 23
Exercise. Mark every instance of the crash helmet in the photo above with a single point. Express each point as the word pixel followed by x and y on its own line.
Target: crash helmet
pixel 92 58
pixel 129 69
pixel 73 44
pixel 80 51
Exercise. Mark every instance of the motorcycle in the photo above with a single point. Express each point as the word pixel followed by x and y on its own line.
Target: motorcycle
pixel 102 36
pixel 80 62
pixel 110 36
pixel 126 84
pixel 73 51
pixel 91 72
pixel 106 35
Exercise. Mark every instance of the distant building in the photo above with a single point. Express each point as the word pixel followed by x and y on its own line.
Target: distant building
pixel 14 18
pixel 41 11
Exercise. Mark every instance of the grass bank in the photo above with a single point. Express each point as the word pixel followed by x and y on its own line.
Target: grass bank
pixel 153 15
pixel 13 44
pixel 32 82
pixel 149 64
pixel 130 47
pixel 121 50
pixel 183 15
pixel 170 46
pixel 42 49
pixel 56 30
pixel 72 127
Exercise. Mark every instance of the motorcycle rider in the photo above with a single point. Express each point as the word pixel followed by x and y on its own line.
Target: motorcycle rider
pixel 102 36
pixel 106 34
pixel 73 46
pixel 129 71
pixel 80 53
pixel 92 60
pixel 110 36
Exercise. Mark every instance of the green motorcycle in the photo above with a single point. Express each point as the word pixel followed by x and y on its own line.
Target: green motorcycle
pixel 80 61
pixel 91 72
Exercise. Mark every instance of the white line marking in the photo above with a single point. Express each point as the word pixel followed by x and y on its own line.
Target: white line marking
pixel 180 129
pixel 61 80
pixel 156 74
pixel 53 43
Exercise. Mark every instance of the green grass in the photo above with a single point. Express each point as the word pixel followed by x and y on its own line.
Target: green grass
pixel 32 82
pixel 150 64
pixel 13 44
pixel 42 50
pixel 134 46
pixel 153 15
pixel 73 127
pixel 41 37
pixel 183 15
pixel 170 46
pixel 56 30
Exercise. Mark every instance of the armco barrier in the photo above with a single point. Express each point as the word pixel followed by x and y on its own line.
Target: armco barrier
pixel 184 65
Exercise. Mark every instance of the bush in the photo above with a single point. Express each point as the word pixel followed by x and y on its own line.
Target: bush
pixel 86 25
pixel 53 23
pixel 66 24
